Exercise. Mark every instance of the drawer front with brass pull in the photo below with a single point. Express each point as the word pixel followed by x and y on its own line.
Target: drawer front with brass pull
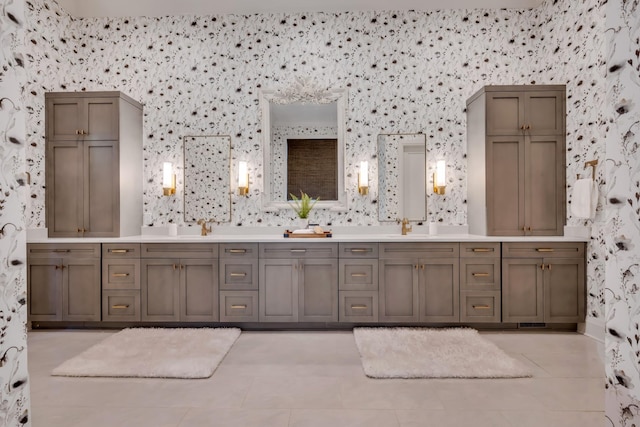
pixel 120 250
pixel 57 250
pixel 480 306
pixel 239 274
pixel 358 306
pixel 120 274
pixel 120 306
pixel 480 250
pixel 358 275
pixel 298 250
pixel 238 250
pixel 238 306
pixel 480 274
pixel 543 249
pixel 358 250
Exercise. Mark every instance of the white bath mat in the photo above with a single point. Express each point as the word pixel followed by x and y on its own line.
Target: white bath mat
pixel 433 353
pixel 153 353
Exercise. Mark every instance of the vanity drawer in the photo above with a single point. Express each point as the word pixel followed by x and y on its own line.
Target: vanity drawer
pixel 180 250
pixel 480 250
pixel 358 250
pixel 480 274
pixel 419 250
pixel 238 250
pixel 239 306
pixel 239 274
pixel 57 250
pixel 358 306
pixel 543 250
pixel 121 250
pixel 358 275
pixel 121 274
pixel 298 250
pixel 480 307
pixel 121 306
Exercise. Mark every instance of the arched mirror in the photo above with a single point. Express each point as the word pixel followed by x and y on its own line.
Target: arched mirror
pixel 303 145
pixel 402 177
pixel 207 178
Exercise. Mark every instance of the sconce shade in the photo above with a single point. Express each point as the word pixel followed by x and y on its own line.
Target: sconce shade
pixel 168 179
pixel 439 178
pixel 363 178
pixel 243 178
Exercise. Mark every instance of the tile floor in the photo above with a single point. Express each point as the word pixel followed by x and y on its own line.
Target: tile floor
pixel 302 379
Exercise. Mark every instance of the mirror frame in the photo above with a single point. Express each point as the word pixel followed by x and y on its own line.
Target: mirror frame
pixel 302 93
pixel 184 183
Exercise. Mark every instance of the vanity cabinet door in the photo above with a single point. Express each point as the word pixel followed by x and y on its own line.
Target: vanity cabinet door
pixel 198 290
pixel 318 290
pixel 522 290
pixel 64 196
pixel 100 201
pixel 44 293
pixel 439 290
pixel 564 290
pixel 160 290
pixel 81 290
pixel 278 290
pixel 398 290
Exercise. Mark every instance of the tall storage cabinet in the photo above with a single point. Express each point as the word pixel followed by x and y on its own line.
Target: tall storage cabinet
pixel 516 161
pixel 93 164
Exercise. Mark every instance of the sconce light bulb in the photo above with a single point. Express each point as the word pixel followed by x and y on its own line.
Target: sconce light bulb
pixel 168 179
pixel 441 174
pixel 363 178
pixel 243 178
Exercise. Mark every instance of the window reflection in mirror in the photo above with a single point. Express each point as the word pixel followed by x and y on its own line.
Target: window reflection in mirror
pixel 207 178
pixel 402 177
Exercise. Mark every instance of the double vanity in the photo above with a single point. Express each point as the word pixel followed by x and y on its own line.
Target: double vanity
pixel 276 282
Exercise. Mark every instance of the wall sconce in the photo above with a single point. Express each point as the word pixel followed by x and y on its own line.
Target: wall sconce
pixel 168 179
pixel 439 178
pixel 243 178
pixel 363 178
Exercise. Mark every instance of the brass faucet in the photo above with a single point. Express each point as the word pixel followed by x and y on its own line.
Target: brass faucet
pixel 406 228
pixel 205 229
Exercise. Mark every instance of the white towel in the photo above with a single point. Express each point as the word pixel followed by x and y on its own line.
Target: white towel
pixel 584 199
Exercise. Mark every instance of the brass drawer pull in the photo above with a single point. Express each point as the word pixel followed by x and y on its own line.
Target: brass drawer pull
pixel 299 250
pixel 239 306
pixel 120 274
pixel 120 306
pixel 358 274
pixel 480 274
pixel 358 306
pixel 481 307
pixel 238 274
pixel 482 250
pixel 119 251
pixel 544 249
pixel 360 250
pixel 237 251
pixel 62 250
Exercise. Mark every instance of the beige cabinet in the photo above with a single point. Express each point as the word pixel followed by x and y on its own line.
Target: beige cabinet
pixel 543 282
pixel 298 282
pixel 358 282
pixel 516 161
pixel 93 164
pixel 480 283
pixel 179 282
pixel 419 282
pixel 121 282
pixel 239 282
pixel 63 282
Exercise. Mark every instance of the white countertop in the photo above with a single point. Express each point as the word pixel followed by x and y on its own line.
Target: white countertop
pixel 264 235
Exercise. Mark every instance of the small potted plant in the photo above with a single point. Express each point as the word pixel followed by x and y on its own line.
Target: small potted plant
pixel 302 206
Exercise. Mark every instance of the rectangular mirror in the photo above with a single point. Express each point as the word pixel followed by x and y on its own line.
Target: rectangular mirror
pixel 207 178
pixel 402 177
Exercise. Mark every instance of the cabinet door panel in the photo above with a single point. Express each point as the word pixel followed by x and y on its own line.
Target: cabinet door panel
pixel 278 293
pixel 101 201
pixel 545 186
pixel 160 290
pixel 398 294
pixel 505 113
pixel 318 292
pixel 81 290
pixel 522 290
pixel 44 278
pixel 505 179
pixel 198 290
pixel 64 189
pixel 544 112
pixel 64 118
pixel 101 118
pixel 564 290
pixel 439 290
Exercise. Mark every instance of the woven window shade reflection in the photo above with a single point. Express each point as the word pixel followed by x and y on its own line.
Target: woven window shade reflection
pixel 312 168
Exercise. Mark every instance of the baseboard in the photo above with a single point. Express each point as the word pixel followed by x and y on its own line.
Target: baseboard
pixel 593 328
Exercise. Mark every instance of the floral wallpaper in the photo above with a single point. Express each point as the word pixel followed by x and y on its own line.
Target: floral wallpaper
pixel 622 227
pixel 14 183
